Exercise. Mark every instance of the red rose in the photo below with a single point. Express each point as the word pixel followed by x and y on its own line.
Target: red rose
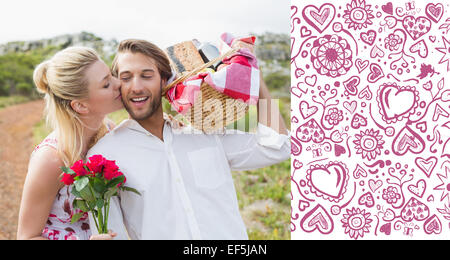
pixel 110 170
pixel 78 168
pixel 96 163
pixel 124 178
pixel 67 179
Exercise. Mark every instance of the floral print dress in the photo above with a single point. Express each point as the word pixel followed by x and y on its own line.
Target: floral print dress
pixel 58 226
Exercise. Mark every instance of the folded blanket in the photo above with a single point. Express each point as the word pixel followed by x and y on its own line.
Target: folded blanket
pixel 239 79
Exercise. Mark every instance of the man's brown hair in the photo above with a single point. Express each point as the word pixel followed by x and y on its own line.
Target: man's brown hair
pixel 148 49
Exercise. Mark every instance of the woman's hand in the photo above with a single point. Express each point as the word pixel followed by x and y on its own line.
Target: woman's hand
pixel 109 236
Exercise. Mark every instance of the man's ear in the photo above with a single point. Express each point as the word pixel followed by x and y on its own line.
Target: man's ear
pixel 79 107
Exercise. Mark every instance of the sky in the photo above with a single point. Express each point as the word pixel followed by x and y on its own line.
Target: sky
pixel 163 22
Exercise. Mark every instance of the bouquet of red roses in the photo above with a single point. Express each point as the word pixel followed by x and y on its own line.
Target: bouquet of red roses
pixel 94 183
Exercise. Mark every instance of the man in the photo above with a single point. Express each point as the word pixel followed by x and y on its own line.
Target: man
pixel 185 178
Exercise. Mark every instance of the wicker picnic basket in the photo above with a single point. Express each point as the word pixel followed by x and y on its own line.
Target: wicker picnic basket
pixel 212 110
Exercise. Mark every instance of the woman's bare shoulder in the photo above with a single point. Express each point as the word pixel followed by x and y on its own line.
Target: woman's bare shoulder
pixel 45 163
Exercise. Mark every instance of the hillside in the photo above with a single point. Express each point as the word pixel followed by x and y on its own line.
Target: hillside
pixel 18 59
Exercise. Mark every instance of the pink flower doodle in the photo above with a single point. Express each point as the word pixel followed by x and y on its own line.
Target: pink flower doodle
pixel 369 143
pixel 356 223
pixel 331 55
pixel 391 195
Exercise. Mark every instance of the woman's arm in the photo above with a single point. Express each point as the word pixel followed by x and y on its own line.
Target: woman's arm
pixel 39 192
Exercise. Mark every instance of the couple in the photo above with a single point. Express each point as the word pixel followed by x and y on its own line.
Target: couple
pixel 184 178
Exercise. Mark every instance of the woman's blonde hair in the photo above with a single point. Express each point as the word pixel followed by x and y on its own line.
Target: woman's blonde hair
pixel 63 79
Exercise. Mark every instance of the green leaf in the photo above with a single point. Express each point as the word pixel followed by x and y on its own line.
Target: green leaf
pixel 76 217
pixel 76 193
pixel 67 170
pixel 92 204
pixel 99 185
pixel 80 204
pixel 130 189
pixel 111 192
pixel 100 203
pixel 115 181
pixel 81 183
pixel 86 194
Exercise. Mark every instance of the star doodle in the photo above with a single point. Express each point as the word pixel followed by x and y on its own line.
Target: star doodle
pixel 446 51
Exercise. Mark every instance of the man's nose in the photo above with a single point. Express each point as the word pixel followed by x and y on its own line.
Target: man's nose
pixel 136 85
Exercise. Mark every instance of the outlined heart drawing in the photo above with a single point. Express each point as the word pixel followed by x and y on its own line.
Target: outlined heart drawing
pixel 317 219
pixel 434 11
pixel 328 181
pixel 426 165
pixel 396 102
pixel 319 18
pixel 407 140
pixel 415 210
pixel 310 131
pixel 416 27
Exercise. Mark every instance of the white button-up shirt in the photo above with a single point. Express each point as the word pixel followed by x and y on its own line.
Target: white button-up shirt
pixel 185 181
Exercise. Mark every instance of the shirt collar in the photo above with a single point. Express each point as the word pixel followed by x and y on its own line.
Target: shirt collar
pixel 135 126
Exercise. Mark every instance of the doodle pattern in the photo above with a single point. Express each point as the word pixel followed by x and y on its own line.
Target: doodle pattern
pixel 370 119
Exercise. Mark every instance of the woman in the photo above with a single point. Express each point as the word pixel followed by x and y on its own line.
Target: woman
pixel 79 92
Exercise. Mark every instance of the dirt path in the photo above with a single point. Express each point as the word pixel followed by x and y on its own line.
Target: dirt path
pixel 16 145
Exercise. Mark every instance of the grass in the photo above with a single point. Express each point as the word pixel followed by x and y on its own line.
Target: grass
pixel 12 100
pixel 263 194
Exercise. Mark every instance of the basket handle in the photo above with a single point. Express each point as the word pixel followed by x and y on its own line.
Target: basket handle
pixel 197 70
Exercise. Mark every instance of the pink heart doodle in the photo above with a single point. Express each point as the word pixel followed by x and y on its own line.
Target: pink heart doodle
pixel 396 102
pixel 311 80
pixel 366 200
pixel 439 111
pixel 415 210
pixel 317 219
pixel 338 150
pixel 358 121
pixel 420 47
pixel 407 140
pixel 388 8
pixel 375 74
pixel 422 126
pixel 386 228
pixel 351 85
pixel 365 93
pixel 350 106
pixel 307 110
pixel 432 225
pixel 368 37
pixel 389 215
pixel 304 32
pixel 416 27
pixel 296 146
pixel 320 18
pixel 361 65
pixel 310 131
pixel 376 52
pixel 302 205
pixel 359 172
pixel 426 165
pixel 418 189
pixel 328 181
pixel 434 11
pixel 375 185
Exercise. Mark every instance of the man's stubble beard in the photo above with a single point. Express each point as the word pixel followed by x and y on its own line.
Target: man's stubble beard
pixel 154 105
